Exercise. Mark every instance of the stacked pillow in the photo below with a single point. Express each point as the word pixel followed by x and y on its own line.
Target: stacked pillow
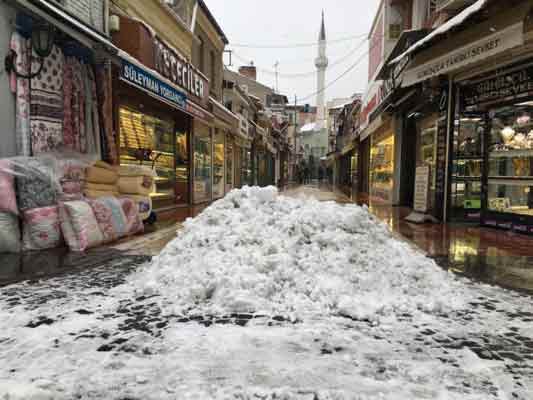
pixel 9 223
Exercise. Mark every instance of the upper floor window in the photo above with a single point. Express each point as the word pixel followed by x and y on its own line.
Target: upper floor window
pixel 213 69
pixel 184 9
pixel 201 54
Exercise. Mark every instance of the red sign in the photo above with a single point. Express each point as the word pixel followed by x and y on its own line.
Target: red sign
pixel 375 54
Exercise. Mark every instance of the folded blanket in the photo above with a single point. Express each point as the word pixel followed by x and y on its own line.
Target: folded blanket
pixel 101 187
pixel 135 170
pixel 142 185
pixel 101 175
pixel 104 165
pixel 94 194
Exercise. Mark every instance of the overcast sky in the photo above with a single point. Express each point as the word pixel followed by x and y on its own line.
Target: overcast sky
pixel 288 22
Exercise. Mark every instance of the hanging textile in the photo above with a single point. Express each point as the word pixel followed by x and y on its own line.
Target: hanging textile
pixel 46 103
pixel 92 125
pixel 104 95
pixel 21 89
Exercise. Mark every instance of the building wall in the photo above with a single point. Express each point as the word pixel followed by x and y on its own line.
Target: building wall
pixel 255 88
pixel 162 19
pixel 211 52
pixel 8 146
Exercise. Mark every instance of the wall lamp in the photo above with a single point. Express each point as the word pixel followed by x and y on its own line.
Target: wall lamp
pixel 42 40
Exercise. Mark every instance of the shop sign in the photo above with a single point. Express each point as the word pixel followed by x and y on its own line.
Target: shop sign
pixel 474 52
pixel 148 82
pixel 504 86
pixel 178 70
pixel 421 203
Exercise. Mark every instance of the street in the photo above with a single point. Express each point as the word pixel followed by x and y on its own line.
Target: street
pixel 267 296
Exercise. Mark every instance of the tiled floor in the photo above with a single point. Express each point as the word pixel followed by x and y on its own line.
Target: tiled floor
pixel 490 255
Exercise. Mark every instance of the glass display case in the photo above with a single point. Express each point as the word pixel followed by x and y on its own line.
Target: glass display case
pixel 467 167
pixel 202 164
pixel 382 169
pixel 510 158
pixel 149 140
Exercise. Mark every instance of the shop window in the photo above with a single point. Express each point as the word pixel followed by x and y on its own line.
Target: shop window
pixel 202 164
pixel 382 169
pixel 152 141
pixel 510 158
pixel 218 165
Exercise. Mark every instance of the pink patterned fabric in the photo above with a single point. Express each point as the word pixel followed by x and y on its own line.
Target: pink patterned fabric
pixel 80 224
pixel 21 88
pixel 134 223
pixel 69 139
pixel 41 229
pixel 8 196
pixel 46 103
pixel 110 217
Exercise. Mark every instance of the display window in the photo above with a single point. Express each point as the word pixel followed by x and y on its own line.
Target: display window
pixel 218 164
pixel 229 164
pixel 150 140
pixel 510 159
pixel 202 184
pixel 382 169
pixel 238 152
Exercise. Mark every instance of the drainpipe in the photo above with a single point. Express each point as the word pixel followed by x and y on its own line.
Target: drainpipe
pixel 194 13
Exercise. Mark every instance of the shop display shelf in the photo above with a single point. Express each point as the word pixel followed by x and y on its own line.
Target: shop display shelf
pixel 511 181
pixel 511 153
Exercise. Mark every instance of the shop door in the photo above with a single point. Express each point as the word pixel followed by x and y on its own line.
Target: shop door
pixel 467 167
pixel 364 165
pixel 409 146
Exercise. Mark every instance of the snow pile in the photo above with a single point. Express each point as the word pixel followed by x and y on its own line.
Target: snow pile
pixel 260 253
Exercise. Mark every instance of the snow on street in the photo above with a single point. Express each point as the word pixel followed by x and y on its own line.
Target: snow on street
pixel 268 297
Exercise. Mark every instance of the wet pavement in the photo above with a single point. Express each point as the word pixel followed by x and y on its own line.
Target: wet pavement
pixel 83 333
pixel 485 254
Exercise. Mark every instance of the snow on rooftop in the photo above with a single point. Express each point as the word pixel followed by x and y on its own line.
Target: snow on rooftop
pixel 453 22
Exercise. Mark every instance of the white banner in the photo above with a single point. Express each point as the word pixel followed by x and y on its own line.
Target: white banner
pixel 474 52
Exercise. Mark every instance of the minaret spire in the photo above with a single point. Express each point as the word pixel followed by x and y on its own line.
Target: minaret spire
pixel 321 64
pixel 322 36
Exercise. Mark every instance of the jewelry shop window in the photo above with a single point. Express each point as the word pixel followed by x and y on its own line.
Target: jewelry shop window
pixel 202 163
pixel 149 140
pixel 510 182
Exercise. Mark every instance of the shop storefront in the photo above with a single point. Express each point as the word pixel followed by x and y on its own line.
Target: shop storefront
pixel 203 163
pixel 493 149
pixel 382 159
pixel 230 163
pixel 219 153
pixel 247 164
pixel 161 118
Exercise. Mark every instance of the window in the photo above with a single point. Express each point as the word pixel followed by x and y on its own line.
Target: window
pixel 201 54
pixel 213 72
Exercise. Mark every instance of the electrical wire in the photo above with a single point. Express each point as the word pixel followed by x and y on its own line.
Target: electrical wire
pixel 303 74
pixel 351 68
pixel 297 45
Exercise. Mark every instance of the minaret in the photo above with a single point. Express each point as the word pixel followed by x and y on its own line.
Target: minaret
pixel 321 63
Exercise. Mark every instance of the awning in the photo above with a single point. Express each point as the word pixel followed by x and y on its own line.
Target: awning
pixel 453 22
pixel 223 114
pixel 73 27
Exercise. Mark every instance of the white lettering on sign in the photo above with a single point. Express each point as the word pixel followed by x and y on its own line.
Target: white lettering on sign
pixel 178 70
pixel 477 51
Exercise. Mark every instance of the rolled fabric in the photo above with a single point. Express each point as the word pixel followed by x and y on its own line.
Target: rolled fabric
pixel 95 194
pixel 101 187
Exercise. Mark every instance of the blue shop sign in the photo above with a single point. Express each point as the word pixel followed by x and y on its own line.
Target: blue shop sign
pixel 147 81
